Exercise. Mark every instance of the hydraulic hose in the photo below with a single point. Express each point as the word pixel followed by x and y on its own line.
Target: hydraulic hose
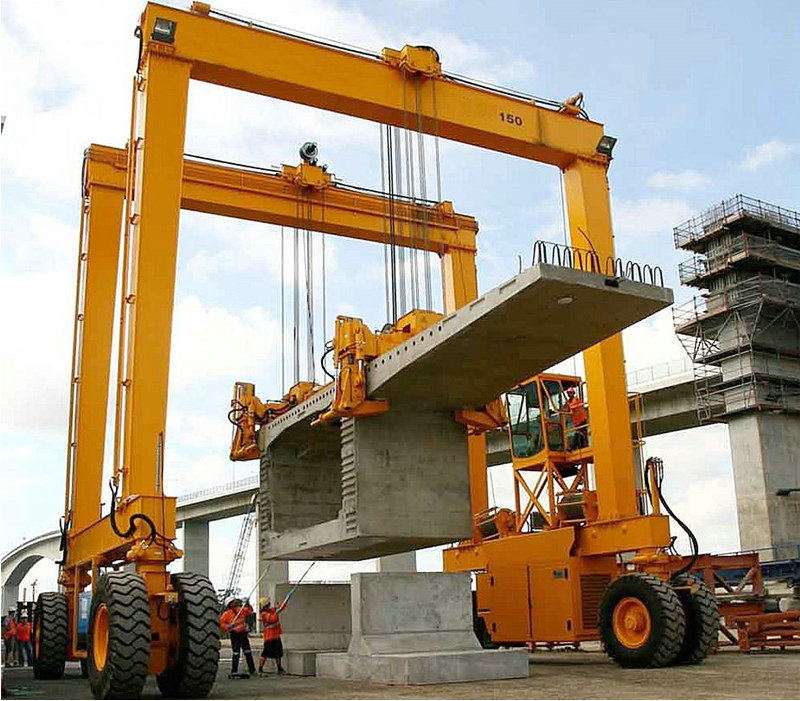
pixel 328 351
pixel 692 539
pixel 131 521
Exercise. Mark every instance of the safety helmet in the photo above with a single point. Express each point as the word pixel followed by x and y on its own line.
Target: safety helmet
pixel 263 601
pixel 233 601
pixel 24 615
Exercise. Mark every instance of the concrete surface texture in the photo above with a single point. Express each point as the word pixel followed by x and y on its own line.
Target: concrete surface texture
pixel 382 485
pixel 531 322
pixel 553 675
pixel 764 451
pixel 416 628
pixel 195 546
pixel 317 616
pixel 399 483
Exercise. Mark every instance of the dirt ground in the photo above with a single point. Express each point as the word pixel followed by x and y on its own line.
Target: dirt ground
pixel 557 675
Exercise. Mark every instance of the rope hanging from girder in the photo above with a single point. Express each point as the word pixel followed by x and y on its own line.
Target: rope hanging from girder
pixel 404 180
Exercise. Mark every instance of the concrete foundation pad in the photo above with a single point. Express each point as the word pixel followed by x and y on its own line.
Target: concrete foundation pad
pixel 425 667
pixel 301 663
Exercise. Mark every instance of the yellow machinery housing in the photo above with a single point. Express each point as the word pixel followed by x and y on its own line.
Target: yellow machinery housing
pixel 148 621
pixel 555 570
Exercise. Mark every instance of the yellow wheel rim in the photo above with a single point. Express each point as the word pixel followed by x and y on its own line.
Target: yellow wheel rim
pixel 631 621
pixel 100 637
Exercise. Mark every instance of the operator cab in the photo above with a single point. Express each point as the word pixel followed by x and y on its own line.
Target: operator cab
pixel 548 420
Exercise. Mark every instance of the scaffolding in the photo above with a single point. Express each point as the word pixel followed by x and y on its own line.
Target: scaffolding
pixel 746 326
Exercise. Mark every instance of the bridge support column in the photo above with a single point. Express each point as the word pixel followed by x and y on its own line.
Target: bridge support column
pixel 195 546
pixel 764 450
pixel 10 597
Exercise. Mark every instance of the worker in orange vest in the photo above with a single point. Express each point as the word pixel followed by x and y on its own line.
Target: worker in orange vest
pixel 10 639
pixel 234 622
pixel 271 624
pixel 24 641
pixel 577 410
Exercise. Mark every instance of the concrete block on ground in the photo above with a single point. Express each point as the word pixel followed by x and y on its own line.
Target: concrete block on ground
pixel 317 617
pixel 416 628
pixel 378 486
pixel 300 663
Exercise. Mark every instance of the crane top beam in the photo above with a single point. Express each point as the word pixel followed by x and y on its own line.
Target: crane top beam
pixel 404 88
pixel 272 197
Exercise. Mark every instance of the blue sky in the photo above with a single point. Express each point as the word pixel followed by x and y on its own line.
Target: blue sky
pixel 702 96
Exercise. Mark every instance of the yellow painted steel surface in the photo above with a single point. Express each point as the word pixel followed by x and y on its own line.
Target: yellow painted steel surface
pixel 588 206
pixel 102 253
pixel 155 244
pixel 268 63
pixel 270 198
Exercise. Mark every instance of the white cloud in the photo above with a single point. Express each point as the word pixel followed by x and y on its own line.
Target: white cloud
pixel 211 342
pixel 648 217
pixel 35 354
pixel 683 180
pixel 651 341
pixel 768 153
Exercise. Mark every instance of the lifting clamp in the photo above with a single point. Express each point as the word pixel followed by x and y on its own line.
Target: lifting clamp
pixel 355 345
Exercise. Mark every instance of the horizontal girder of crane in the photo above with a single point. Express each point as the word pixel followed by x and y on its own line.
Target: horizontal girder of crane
pixel 272 198
pixel 257 60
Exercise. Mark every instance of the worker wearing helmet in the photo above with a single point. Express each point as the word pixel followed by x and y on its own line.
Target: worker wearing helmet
pixel 271 624
pixel 579 418
pixel 234 622
pixel 10 639
pixel 24 641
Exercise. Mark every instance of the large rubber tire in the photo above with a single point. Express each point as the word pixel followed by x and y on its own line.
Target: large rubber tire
pixel 195 670
pixel 50 636
pixel 667 623
pixel 702 621
pixel 127 653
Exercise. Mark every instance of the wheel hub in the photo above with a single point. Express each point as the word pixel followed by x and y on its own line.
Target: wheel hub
pixel 100 636
pixel 631 621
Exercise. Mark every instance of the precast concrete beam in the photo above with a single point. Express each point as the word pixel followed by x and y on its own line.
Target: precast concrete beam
pixel 376 486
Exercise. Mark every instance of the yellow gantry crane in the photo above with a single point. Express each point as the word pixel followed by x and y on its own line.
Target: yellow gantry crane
pixel 127 624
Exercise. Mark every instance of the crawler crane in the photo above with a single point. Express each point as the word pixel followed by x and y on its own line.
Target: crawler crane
pixel 127 624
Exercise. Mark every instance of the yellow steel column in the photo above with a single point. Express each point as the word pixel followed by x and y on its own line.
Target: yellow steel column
pixel 588 207
pixel 102 258
pixel 154 250
pixel 460 287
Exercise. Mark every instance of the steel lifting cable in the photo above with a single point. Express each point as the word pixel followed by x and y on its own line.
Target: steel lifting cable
pixel 383 225
pixel 283 313
pixel 324 275
pixel 398 156
pixel 296 309
pixel 392 231
pixel 309 265
pixel 413 252
pixel 412 223
pixel 423 192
